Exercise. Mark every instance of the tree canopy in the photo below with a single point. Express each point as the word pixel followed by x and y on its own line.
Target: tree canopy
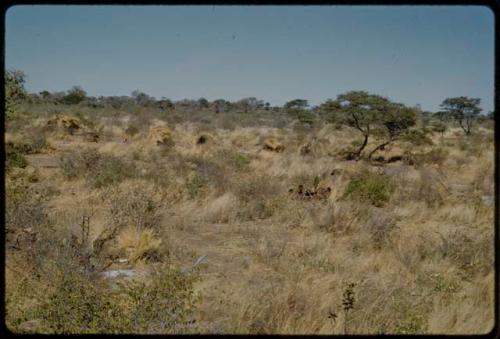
pixel 75 95
pixel 463 109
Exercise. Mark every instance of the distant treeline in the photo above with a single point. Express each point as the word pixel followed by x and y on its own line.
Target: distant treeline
pixel 359 109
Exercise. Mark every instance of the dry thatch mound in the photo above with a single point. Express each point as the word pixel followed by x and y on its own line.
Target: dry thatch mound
pixel 272 144
pixel 66 121
pixel 160 136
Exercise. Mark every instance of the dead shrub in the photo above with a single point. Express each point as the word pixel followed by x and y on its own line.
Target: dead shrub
pixel 254 194
pixel 336 218
pixel 134 203
pixel 379 225
pixel 470 251
pixel 98 169
pixel 426 187
pixel 435 156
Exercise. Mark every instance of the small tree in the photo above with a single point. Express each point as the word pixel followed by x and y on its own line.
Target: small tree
pixel 14 92
pixel 298 109
pixel 296 104
pixel 330 111
pixel 75 95
pixel 250 104
pixel 142 99
pixel 465 110
pixel 362 111
pixel 439 127
pixel 393 122
pixel 220 105
pixel 164 104
pixel 203 103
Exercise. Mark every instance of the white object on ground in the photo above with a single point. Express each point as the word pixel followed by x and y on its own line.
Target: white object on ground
pixel 118 273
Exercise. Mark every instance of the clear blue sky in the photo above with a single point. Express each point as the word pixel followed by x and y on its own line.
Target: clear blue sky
pixel 412 54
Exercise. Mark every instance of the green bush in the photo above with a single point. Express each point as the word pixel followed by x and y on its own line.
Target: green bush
pixel 14 157
pixel 240 161
pixel 196 185
pixel 370 187
pixel 78 303
pixel 417 137
pixel 15 92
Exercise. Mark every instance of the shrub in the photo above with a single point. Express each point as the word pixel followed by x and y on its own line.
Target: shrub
pixel 132 130
pixel 379 226
pixel 370 187
pixel 98 169
pixel 111 170
pixel 240 161
pixel 338 218
pixel 165 304
pixel 79 163
pixel 417 137
pixel 257 195
pixel 14 157
pixel 35 141
pixel 82 304
pixel 470 251
pixel 24 210
pixel 195 185
pixel 435 156
pixel 134 203
pixel 76 305
pixel 14 92
pixel 207 173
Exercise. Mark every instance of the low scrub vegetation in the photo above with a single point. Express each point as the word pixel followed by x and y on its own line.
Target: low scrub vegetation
pixel 224 223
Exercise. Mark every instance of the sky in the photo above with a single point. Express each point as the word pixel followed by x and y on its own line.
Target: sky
pixel 410 54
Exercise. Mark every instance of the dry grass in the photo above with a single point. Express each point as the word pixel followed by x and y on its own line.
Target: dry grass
pixel 415 239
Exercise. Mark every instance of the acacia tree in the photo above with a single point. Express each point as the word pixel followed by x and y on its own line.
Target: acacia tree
pixel 298 109
pixel 362 111
pixel 330 111
pixel 164 104
pixel 392 123
pixel 296 104
pixel 250 104
pixel 142 99
pixel 372 115
pixel 465 110
pixel 75 95
pixel 202 103
pixel 220 105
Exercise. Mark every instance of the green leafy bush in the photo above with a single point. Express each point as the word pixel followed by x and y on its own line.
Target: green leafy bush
pixel 77 303
pixel 370 187
pixel 195 185
pixel 14 92
pixel 14 157
pixel 417 137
